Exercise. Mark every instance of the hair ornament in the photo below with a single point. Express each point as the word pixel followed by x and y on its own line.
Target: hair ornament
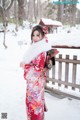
pixel 44 29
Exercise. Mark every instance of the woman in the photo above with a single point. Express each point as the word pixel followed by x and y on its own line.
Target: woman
pixel 35 73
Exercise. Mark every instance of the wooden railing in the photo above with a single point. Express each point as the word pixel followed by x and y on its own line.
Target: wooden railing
pixel 66 82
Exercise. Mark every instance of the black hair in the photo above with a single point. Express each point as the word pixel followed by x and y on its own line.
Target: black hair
pixel 39 29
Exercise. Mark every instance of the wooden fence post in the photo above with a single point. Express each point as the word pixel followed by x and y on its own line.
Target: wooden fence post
pixel 53 73
pixel 74 72
pixel 66 71
pixel 60 70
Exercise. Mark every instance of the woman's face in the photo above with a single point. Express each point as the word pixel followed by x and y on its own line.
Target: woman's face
pixel 36 36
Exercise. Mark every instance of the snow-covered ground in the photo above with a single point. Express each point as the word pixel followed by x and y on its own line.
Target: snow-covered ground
pixel 13 85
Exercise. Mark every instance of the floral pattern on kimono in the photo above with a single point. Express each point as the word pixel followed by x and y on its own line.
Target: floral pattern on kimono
pixel 35 87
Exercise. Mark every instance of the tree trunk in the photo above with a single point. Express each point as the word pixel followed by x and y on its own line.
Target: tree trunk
pixel 74 15
pixel 16 13
pixel 5 6
pixel 31 9
pixel 21 11
pixel 60 12
pixel 38 10
pixel 4 39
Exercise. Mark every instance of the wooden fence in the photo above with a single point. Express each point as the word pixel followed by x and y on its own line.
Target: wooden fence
pixel 66 82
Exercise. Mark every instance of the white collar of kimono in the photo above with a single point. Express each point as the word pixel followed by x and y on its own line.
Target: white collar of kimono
pixel 35 49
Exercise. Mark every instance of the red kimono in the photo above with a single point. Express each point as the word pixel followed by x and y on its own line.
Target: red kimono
pixel 35 87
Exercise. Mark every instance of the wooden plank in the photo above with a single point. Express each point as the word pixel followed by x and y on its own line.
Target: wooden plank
pixel 53 73
pixel 68 61
pixel 60 70
pixel 66 46
pixel 64 83
pixel 48 73
pixel 66 71
pixel 47 76
pixel 74 72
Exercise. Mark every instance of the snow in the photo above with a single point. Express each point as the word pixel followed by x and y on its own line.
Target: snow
pixel 13 85
pixel 51 22
pixel 65 38
pixel 62 109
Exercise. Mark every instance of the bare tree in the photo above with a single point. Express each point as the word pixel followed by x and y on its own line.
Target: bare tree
pixel 4 6
pixel 39 9
pixel 49 10
pixel 74 13
pixel 78 16
pixel 16 13
pixel 34 10
pixel 60 12
pixel 67 12
pixel 21 11
pixel 31 10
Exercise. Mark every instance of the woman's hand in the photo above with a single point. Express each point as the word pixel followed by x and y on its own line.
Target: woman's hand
pixel 43 72
pixel 55 53
pixel 22 64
